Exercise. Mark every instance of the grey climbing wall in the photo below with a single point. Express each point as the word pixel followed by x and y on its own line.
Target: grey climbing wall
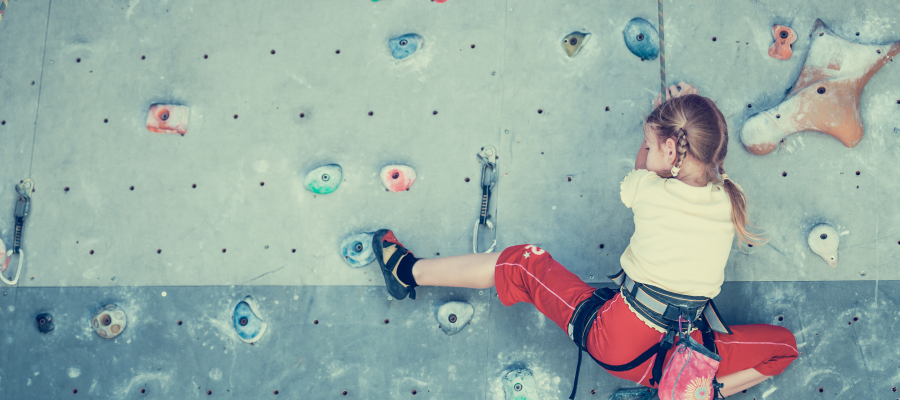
pixel 221 212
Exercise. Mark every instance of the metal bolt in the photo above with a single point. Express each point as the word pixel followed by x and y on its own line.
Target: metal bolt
pixel 403 42
pixel 164 117
pixel 243 321
pixel 452 318
pixel 518 387
pixel 783 34
pixel 480 292
pixel 823 236
pixel 573 41
pixel 325 177
pixel 640 37
pixel 359 247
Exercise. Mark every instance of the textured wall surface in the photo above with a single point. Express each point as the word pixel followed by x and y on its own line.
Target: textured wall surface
pixel 222 211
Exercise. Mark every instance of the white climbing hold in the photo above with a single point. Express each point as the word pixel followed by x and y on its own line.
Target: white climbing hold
pixel 823 240
pixel 108 321
pixel 519 385
pixel 454 316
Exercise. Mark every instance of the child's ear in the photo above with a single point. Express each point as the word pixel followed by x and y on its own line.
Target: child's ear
pixel 671 151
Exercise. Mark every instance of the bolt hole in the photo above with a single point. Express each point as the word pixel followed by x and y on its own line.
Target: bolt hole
pixel 78 60
pixel 593 391
pixel 371 113
pixel 205 56
pixel 894 389
pixel 302 115
pixel 414 392
pixel 857 33
pixel 273 52
pixel 878 51
pixel 607 108
pixel 777 115
pixel 262 184
pixel 855 319
pixel 143 391
pixel 105 120
pixel 397 175
pixel 821 90
pixel 540 111
pixel 784 173
pixel 823 236
pixel 783 34
pixel 337 52
pixel 749 105
pixel 293 250
pixel 274 391
pixel 640 37
pixel 3 122
pixel 209 392
pixel 92 252
pixel 223 250
pixel 467 179
pixel 193 186
pixel 315 322
pixel 781 318
pixel 344 393
pixel 714 38
pixel 821 390
pixel 74 391
pixel 857 173
pixel 143 57
pixel 235 116
pixel 66 189
pixel 179 322
pixel 434 112
pixel 473 46
pixel 131 188
pixel 568 179
pixel 602 245
pixel 386 321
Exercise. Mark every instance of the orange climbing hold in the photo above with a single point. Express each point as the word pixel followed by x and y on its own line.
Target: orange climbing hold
pixel 784 38
pixel 168 118
pixel 825 97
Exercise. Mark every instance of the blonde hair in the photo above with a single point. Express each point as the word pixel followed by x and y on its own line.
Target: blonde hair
pixel 699 129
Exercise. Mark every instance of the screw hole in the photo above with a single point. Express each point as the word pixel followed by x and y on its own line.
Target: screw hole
pixel 783 34
pixel 74 391
pixel 434 112
pixel 540 111
pixel 235 116
pixel 878 51
pixel 607 108
pixel 179 322
pixel 640 37
pixel 274 391
pixel 344 393
pixel 821 390
pixel 273 51
pixel 205 56
pixel 143 391
pixel 66 189
pixel 293 250
pixel 131 188
pixel 208 392
pixel 749 105
pixel 315 322
pixel 386 321
pixel 467 179
pixel 784 173
pixel 143 57
pixel 414 392
pixel 3 122
pixel 568 179
pixel 302 115
pixel 473 46
pixel 857 173
pixel 781 318
pixel 821 90
pixel 777 115
pixel 371 113
pixel 714 38
pixel 105 120
pixel 855 319
pixel 193 186
pixel 337 52
pixel 857 33
pixel 602 245
pixel 92 252
pixel 223 250
pixel 262 184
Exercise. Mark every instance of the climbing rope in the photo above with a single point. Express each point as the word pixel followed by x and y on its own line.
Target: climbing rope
pixel 662 53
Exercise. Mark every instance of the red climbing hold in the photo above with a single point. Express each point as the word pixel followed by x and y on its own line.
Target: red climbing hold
pixel 784 38
pixel 168 118
pixel 397 178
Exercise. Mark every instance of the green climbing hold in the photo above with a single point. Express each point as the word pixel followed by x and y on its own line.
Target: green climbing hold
pixel 325 179
pixel 519 385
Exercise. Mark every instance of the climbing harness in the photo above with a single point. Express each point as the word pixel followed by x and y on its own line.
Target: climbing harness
pixel 665 309
pixel 24 190
pixel 488 157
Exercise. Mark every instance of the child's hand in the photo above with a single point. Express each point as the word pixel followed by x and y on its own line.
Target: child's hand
pixel 674 91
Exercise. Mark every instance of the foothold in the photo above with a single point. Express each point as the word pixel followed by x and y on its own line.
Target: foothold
pixel 357 251
pixel 247 323
pixel 168 118
pixel 397 178
pixel 108 321
pixel 642 39
pixel 44 322
pixel 572 42
pixel 840 67
pixel 454 316
pixel 823 240
pixel 406 45
pixel 784 39
pixel 519 385
pixel 325 179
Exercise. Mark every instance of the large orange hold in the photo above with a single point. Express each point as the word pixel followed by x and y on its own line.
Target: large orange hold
pixel 168 118
pixel 784 38
pixel 825 97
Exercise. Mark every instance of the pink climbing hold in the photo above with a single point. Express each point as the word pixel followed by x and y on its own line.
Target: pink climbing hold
pixel 439 1
pixel 168 118
pixel 784 38
pixel 825 97
pixel 397 178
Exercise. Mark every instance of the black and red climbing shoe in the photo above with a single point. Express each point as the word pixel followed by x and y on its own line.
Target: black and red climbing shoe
pixel 388 252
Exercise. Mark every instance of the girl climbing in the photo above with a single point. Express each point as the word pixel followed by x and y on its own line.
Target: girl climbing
pixel 685 219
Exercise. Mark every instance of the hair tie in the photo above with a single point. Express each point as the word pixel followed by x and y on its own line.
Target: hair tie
pixel 725 178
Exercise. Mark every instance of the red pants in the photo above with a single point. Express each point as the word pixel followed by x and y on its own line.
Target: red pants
pixel 528 273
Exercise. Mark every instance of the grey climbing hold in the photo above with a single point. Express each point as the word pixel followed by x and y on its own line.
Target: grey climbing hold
pixel 572 43
pixel 247 322
pixel 357 251
pixel 642 38
pixel 109 321
pixel 406 45
pixel 454 316
pixel 44 322
pixel 519 385
pixel 824 240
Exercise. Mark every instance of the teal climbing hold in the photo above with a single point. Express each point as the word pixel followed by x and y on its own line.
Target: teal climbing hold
pixel 357 250
pixel 642 39
pixel 325 179
pixel 405 45
pixel 519 385
pixel 247 323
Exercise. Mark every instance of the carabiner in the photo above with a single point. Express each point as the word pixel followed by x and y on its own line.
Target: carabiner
pixel 488 157
pixel 23 202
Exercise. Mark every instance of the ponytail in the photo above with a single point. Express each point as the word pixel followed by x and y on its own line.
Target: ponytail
pixel 739 213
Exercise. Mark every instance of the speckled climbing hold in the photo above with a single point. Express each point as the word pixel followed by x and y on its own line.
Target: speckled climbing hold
pixel 168 118
pixel 4 256
pixel 108 321
pixel 404 46
pixel 572 42
pixel 784 38
pixel 357 251
pixel 453 316
pixel 397 178
pixel 325 179
pixel 519 385
pixel 247 323
pixel 824 240
pixel 642 39
pixel 825 97
pixel 44 322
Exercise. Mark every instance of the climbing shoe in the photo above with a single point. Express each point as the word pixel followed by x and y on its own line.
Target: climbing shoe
pixel 388 252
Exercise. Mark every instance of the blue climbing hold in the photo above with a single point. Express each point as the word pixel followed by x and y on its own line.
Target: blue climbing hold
pixel 357 251
pixel 247 323
pixel 325 179
pixel 405 45
pixel 642 39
